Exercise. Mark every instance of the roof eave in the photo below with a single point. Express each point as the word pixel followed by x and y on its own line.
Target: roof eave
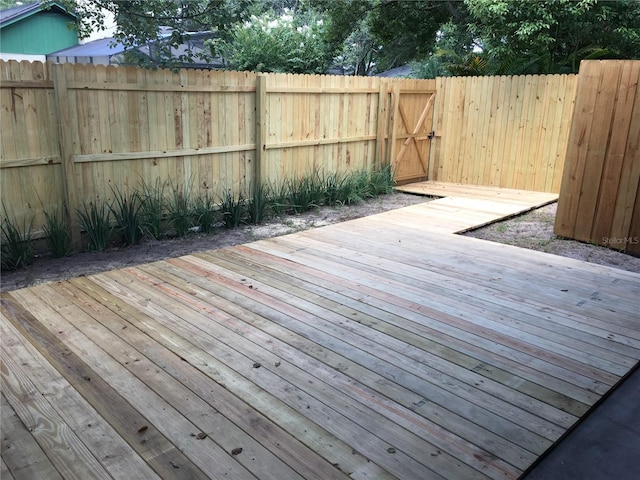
pixel 38 7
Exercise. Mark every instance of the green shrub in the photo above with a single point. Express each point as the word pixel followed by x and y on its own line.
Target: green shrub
pixel 279 197
pixel 382 180
pixel 233 209
pixel 317 188
pixel 127 211
pixel 16 249
pixel 259 203
pixel 361 186
pixel 96 222
pixel 180 212
pixel 333 185
pixel 304 194
pixel 153 207
pixel 205 212
pixel 57 234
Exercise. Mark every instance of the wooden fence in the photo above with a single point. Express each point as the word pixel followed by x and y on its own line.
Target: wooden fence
pixel 316 122
pixel 600 195
pixel 72 133
pixel 502 131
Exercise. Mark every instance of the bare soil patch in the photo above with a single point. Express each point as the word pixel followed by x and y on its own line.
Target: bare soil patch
pixel 49 269
pixel 533 230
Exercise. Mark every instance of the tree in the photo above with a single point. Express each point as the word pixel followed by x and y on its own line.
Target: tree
pixel 383 34
pixel 408 30
pixel 552 36
pixel 358 53
pixel 455 53
pixel 141 22
pixel 272 42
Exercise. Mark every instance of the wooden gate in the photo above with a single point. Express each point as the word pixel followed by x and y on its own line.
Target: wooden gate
pixel 411 133
pixel 600 194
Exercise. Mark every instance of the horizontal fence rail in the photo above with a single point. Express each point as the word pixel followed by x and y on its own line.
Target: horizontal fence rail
pixel 72 134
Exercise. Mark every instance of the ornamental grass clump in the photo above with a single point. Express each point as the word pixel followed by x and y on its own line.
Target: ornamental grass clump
pixel 334 185
pixel 304 194
pixel 233 209
pixel 361 186
pixel 95 220
pixel 57 233
pixel 128 213
pixel 259 204
pixel 180 212
pixel 153 208
pixel 279 197
pixel 16 249
pixel 205 212
pixel 382 180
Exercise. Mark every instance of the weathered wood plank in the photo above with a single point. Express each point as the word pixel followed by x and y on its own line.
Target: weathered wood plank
pixel 300 458
pixel 356 372
pixel 205 418
pixel 383 341
pixel 448 189
pixel 156 450
pixel 104 443
pixel 336 452
pixel 412 280
pixel 416 274
pixel 593 300
pixel 330 288
pixel 66 452
pixel 22 457
pixel 315 401
pixel 205 455
pixel 407 380
pixel 4 471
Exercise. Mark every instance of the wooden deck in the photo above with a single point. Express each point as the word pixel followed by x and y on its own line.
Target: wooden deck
pixel 373 349
pixel 465 207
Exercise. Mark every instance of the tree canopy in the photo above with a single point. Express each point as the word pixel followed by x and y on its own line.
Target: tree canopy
pixel 552 36
pixel 361 37
pixel 275 42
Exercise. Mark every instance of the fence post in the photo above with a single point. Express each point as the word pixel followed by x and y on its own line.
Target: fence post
pixel 392 128
pixel 434 148
pixel 261 128
pixel 383 125
pixel 65 140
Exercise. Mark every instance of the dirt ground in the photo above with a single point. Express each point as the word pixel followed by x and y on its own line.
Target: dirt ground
pixel 533 230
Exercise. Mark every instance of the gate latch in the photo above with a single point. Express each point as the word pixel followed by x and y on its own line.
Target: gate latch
pixel 431 135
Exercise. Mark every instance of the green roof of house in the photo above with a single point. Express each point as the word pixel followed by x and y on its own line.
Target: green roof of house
pixel 11 15
pixel 36 28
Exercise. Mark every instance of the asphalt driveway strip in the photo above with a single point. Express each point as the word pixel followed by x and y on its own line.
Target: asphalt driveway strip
pixel 604 446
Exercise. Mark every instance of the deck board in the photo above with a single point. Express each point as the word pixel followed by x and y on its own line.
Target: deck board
pixel 74 410
pixel 464 207
pixel 380 348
